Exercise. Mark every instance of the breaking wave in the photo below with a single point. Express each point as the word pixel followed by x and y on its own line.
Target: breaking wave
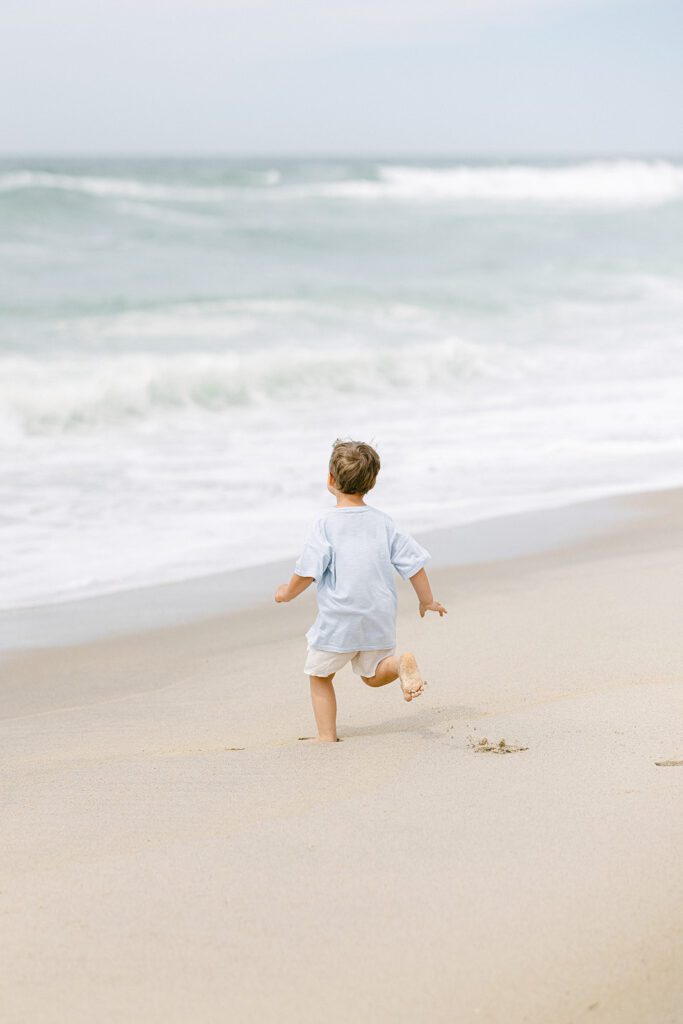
pixel 612 183
pixel 84 394
pixel 606 182
pixel 116 188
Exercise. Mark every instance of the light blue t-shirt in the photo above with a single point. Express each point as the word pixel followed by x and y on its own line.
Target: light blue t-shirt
pixel 352 552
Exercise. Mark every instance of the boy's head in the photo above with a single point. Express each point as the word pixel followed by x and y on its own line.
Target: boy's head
pixel 354 466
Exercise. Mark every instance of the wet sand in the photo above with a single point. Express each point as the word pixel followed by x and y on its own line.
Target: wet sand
pixel 172 853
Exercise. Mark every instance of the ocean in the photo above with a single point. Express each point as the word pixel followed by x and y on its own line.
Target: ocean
pixel 182 340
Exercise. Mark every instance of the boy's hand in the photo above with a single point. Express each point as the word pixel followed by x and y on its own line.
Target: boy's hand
pixel 281 593
pixel 433 606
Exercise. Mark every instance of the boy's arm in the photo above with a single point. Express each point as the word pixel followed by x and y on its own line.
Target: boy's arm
pixel 422 588
pixel 296 586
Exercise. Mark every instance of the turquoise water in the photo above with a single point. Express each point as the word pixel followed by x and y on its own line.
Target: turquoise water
pixel 180 342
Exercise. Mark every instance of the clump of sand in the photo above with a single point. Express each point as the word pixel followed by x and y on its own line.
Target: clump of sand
pixel 483 746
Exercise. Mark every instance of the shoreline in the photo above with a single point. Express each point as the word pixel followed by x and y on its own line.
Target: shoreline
pixel 164 605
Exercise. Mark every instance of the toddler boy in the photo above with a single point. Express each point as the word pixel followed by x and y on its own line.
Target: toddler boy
pixel 351 553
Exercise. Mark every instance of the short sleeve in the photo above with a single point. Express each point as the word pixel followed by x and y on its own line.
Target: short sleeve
pixel 407 556
pixel 316 554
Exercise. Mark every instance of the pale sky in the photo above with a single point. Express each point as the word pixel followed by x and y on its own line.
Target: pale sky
pixel 280 77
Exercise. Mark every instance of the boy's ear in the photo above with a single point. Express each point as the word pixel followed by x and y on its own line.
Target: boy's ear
pixel 331 482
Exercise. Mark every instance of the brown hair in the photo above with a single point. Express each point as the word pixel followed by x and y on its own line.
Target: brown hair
pixel 354 466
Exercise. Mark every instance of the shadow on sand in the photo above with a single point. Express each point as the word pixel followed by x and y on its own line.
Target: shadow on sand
pixel 427 722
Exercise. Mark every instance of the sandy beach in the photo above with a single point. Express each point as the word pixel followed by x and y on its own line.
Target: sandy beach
pixel 173 853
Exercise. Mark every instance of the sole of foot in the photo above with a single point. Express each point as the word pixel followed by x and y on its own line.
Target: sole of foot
pixel 412 682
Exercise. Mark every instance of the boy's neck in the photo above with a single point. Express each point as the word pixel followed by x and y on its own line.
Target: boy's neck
pixel 349 500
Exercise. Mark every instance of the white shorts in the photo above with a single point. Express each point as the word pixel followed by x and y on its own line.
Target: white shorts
pixel 324 663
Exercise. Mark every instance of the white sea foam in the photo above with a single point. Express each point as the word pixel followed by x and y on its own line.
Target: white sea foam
pixel 600 182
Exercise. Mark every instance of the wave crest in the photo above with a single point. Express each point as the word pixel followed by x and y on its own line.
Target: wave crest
pixel 606 182
pixel 82 394
pixel 115 188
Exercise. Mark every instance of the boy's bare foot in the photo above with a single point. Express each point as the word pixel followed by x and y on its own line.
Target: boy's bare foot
pixel 412 682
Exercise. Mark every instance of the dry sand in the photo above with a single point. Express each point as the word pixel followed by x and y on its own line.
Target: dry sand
pixel 171 853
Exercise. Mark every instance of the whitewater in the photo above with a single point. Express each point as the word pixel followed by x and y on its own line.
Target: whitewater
pixel 182 340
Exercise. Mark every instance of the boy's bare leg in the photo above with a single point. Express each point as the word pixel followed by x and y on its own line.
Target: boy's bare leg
pixel 386 672
pixel 324 707
pixel 394 666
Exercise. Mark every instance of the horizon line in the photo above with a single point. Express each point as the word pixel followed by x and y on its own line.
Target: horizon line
pixel 377 155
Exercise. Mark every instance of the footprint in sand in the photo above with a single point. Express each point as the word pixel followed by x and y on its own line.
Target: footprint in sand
pixel 314 739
